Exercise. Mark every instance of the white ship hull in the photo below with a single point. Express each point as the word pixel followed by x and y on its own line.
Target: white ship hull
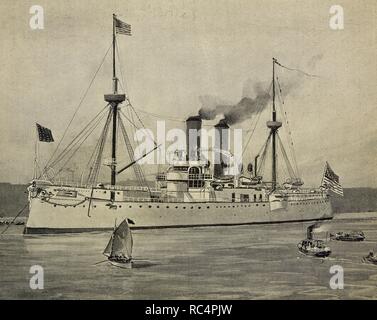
pixel 100 214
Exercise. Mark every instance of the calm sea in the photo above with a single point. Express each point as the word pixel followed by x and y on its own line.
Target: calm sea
pixel 239 262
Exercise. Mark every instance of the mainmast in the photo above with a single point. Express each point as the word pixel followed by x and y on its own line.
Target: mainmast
pixel 274 126
pixel 114 100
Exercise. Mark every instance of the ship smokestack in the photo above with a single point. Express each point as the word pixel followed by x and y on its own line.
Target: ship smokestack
pixel 193 127
pixel 221 144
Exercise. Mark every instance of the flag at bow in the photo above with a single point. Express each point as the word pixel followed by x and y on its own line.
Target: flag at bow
pixel 44 134
pixel 122 27
pixel 330 181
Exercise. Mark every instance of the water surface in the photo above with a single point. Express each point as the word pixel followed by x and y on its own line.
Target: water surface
pixel 238 262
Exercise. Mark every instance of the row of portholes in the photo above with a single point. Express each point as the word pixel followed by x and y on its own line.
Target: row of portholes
pixel 217 207
pixel 167 207
pixel 94 206
pixel 237 206
pixel 307 203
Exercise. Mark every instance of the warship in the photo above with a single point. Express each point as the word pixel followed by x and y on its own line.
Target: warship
pixel 191 192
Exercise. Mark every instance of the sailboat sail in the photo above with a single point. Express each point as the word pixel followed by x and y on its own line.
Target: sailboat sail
pixel 107 251
pixel 121 241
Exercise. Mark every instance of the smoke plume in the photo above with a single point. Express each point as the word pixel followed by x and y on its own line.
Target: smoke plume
pixel 239 112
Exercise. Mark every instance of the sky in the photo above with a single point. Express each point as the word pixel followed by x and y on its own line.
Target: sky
pixel 183 50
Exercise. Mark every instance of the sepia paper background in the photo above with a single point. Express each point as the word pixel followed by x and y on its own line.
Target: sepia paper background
pixel 184 49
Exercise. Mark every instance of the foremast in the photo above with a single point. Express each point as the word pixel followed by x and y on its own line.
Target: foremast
pixel 114 99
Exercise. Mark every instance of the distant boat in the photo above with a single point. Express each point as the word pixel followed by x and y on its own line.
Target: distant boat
pixel 316 248
pixel 313 247
pixel 370 258
pixel 119 249
pixel 348 236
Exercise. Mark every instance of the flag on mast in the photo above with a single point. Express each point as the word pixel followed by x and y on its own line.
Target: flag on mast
pixel 330 181
pixel 44 134
pixel 122 27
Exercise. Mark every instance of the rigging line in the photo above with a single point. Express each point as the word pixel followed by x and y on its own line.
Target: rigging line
pixel 291 172
pixel 256 123
pixel 297 70
pixel 280 91
pixel 15 217
pixel 99 156
pixel 159 116
pixel 134 131
pixel 131 122
pixel 69 147
pixel 288 133
pixel 79 105
pixel 98 159
pixel 134 125
pixel 75 140
pixel 136 167
pixel 74 152
pixel 263 155
pixel 130 114
pixel 77 148
pixel 123 82
pixel 251 133
pixel 92 161
pixel 137 116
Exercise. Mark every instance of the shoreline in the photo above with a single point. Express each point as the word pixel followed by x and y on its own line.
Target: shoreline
pixel 337 216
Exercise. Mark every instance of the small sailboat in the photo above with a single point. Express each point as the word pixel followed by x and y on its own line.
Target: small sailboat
pixel 119 249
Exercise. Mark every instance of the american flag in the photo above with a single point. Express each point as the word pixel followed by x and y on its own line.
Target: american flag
pixel 44 134
pixel 330 181
pixel 122 27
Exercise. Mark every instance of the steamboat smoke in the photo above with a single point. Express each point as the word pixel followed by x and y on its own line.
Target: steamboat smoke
pixel 234 113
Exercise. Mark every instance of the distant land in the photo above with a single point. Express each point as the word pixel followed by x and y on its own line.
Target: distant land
pixel 14 196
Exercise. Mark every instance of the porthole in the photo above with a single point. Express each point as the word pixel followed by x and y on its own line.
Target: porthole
pixel 83 206
pixel 120 206
pixel 192 208
pixel 149 206
pixel 140 206
pixel 176 207
pixel 54 205
pixel 118 192
pixel 167 207
pixel 184 207
pixel 158 207
pixel 130 206
pixel 207 207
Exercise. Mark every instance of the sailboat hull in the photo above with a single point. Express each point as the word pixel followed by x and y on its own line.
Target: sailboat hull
pixel 97 214
pixel 123 265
